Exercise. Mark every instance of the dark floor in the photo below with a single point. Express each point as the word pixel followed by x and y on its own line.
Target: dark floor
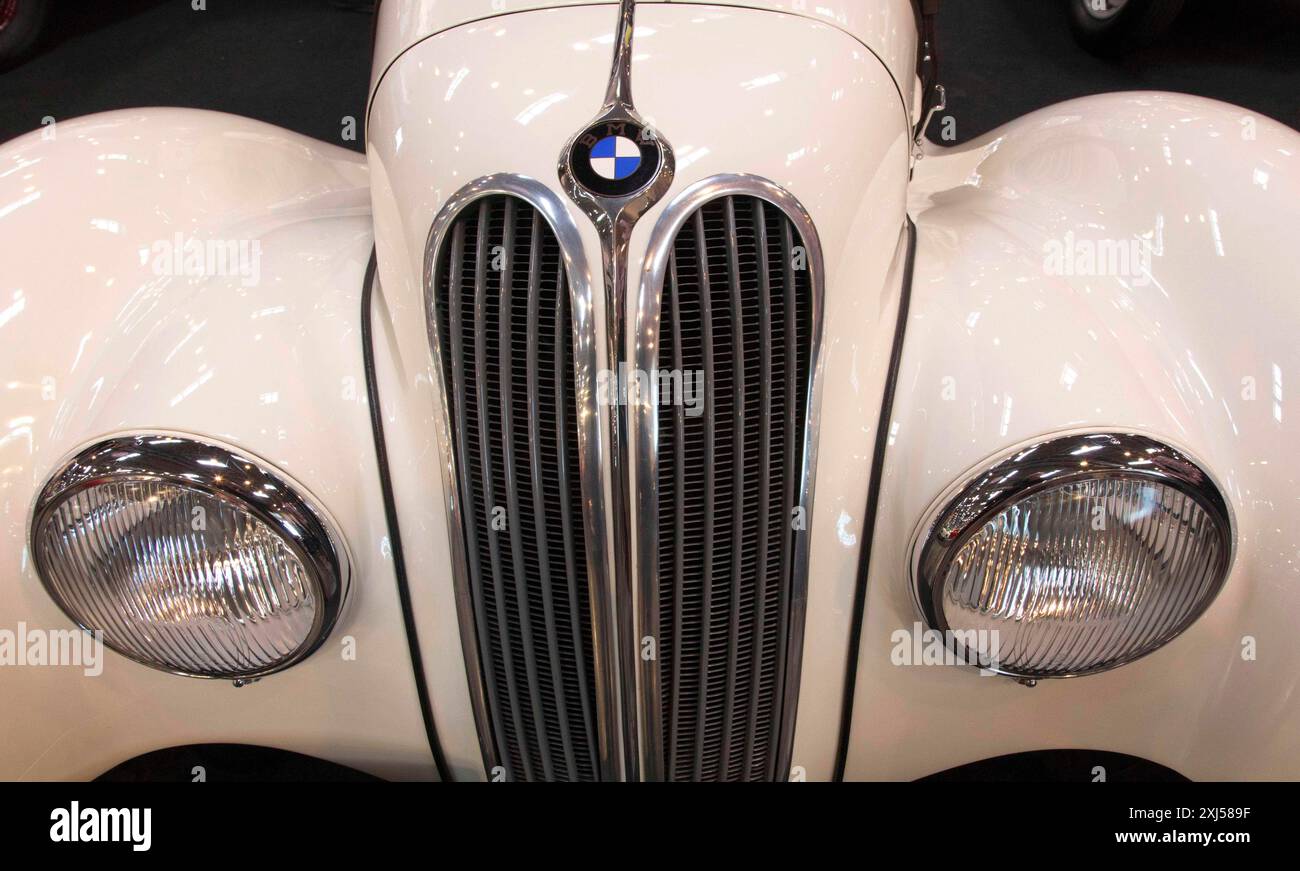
pixel 304 64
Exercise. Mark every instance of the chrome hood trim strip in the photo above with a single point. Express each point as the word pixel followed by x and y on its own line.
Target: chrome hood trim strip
pixel 614 216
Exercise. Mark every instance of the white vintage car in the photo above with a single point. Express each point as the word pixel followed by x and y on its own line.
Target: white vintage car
pixel 689 417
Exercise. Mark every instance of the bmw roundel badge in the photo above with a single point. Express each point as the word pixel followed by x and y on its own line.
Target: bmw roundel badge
pixel 615 158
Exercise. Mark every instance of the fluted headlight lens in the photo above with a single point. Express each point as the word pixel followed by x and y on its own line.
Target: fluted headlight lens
pixel 190 557
pixel 1074 555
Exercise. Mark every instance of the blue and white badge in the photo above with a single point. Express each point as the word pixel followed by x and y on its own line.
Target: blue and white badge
pixel 615 157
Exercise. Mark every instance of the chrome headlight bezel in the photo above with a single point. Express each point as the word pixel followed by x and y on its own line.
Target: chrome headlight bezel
pixel 1043 464
pixel 238 478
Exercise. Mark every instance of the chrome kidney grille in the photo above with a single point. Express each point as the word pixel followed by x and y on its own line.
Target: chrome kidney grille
pixel 736 306
pixel 504 324
pixel 731 307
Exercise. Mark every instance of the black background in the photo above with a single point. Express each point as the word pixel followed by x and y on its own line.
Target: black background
pixel 305 64
pixel 1002 58
pixel 235 825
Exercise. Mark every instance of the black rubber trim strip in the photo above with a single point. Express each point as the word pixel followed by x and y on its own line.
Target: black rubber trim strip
pixel 873 499
pixel 394 531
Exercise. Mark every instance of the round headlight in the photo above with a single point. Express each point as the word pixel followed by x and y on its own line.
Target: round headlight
pixel 189 557
pixel 1072 556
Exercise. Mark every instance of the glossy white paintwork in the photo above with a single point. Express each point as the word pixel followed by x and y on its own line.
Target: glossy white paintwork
pixel 1200 351
pixel 886 27
pixel 505 96
pixel 93 341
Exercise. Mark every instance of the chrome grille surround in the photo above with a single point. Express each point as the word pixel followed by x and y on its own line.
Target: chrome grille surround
pixel 645 440
pixel 461 515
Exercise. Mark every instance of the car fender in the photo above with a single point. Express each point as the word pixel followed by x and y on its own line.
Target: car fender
pixel 1012 336
pixel 119 314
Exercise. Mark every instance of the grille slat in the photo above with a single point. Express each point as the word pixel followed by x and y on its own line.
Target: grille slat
pixel 794 414
pixel 560 376
pixel 487 506
pixel 540 519
pixel 506 358
pixel 516 438
pixel 752 758
pixel 458 360
pixel 737 307
pixel 710 493
pixel 679 516
pixel 738 475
